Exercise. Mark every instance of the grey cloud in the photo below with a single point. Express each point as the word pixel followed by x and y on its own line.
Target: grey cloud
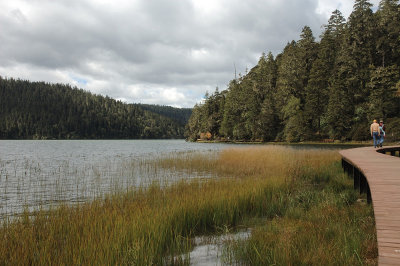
pixel 156 44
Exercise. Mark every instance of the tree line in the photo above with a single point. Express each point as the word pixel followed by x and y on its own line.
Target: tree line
pixel 314 90
pixel 39 110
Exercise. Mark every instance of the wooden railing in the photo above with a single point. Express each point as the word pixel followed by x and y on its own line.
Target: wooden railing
pixel 360 181
pixel 394 151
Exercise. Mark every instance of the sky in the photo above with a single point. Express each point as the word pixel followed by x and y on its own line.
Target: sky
pixel 166 52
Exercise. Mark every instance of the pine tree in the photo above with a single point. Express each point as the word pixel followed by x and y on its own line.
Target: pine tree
pixel 388 41
pixel 193 127
pixel 294 121
pixel 268 125
pixel 360 43
pixel 290 76
pixel 317 92
pixel 232 110
pixel 340 111
pixel 383 102
pixel 293 74
pixel 307 52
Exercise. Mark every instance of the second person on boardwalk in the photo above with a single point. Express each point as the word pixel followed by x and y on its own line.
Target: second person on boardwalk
pixel 382 133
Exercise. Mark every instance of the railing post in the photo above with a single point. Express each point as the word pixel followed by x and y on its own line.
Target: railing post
pixel 356 178
pixel 369 197
pixel 345 166
pixel 363 183
pixel 360 181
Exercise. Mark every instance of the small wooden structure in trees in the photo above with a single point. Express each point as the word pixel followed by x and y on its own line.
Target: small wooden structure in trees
pixel 205 136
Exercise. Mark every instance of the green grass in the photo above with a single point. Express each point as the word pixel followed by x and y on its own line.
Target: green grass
pixel 308 208
pixel 323 224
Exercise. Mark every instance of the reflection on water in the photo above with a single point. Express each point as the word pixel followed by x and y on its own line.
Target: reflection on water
pixel 212 249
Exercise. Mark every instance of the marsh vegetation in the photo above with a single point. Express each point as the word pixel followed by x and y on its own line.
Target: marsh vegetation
pixel 297 205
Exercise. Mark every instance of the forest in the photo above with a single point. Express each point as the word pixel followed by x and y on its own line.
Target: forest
pixel 329 89
pixel 39 110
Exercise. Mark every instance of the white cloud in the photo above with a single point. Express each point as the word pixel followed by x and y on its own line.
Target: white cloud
pixel 325 7
pixel 161 52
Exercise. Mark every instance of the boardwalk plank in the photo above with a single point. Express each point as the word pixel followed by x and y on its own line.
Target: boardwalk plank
pixel 383 260
pixel 388 260
pixel 382 172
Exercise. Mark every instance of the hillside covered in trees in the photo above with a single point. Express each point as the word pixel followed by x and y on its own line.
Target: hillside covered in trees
pixel 181 115
pixel 332 88
pixel 39 110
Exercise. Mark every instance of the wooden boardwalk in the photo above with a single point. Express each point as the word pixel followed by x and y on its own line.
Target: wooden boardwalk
pixel 376 172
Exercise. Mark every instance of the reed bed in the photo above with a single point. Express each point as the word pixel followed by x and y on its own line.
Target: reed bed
pixel 287 188
pixel 324 223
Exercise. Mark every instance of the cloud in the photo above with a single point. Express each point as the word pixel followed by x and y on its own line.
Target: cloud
pixel 159 51
pixel 325 7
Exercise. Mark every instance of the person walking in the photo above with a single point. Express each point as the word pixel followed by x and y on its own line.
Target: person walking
pixel 382 133
pixel 375 134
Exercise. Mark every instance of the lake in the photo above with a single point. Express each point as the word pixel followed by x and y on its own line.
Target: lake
pixel 37 173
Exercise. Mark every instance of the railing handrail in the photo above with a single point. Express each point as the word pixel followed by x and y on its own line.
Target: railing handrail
pixel 388 149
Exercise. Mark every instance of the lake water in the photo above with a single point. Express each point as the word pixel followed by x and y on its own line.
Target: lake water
pixel 44 172
pixel 37 173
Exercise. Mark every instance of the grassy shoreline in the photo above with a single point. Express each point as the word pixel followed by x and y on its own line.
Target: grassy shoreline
pixel 295 192
pixel 301 143
pixel 337 143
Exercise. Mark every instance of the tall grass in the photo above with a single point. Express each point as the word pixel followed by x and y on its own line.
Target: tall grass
pixel 148 226
pixel 323 224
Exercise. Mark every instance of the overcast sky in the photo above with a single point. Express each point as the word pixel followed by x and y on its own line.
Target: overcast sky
pixel 167 52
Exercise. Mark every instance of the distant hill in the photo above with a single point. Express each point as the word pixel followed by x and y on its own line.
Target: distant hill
pixel 181 115
pixel 39 110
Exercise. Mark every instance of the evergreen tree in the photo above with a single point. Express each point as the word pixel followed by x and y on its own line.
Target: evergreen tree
pixel 339 113
pixel 193 127
pixel 231 111
pixel 293 76
pixel 317 92
pixel 268 123
pixel 388 32
pixel 360 44
pixel 213 113
pixel 294 121
pixel 383 102
pixel 307 52
pixel 290 76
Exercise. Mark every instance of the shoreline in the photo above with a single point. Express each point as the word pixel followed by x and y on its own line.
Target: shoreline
pixel 338 143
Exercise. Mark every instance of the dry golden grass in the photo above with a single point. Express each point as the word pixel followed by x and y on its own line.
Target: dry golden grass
pixel 149 226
